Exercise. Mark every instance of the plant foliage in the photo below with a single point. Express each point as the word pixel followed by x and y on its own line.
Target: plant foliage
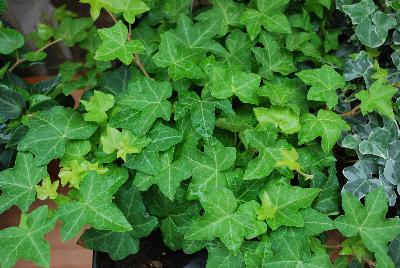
pixel 227 126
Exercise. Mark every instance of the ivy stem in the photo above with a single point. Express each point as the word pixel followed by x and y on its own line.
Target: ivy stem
pixel 112 16
pixel 137 60
pixel 353 111
pixel 140 65
pixel 20 61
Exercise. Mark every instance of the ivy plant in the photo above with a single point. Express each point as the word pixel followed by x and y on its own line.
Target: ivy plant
pixel 227 126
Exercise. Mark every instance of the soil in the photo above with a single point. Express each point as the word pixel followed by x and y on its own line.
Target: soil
pixel 153 254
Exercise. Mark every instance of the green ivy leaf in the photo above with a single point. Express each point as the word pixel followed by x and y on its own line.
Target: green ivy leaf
pixel 284 118
pixel 18 183
pixel 284 92
pixel 327 125
pixel 129 8
pixel 94 207
pixel 10 40
pixel 123 142
pixel 116 45
pixel 97 106
pixel 227 12
pixel 181 49
pixel 148 161
pixel 283 204
pixel 35 56
pixel 202 110
pixel 149 97
pixel 269 15
pixel 369 222
pixel 171 174
pixel 291 248
pixel 11 103
pixel 131 204
pixel 224 219
pixel 323 82
pixel 224 82
pixel 210 169
pixel 238 53
pixel 27 240
pixel 269 152
pixel 47 189
pixel 377 98
pixel 95 7
pixel 50 130
pixel 73 31
pixel 273 59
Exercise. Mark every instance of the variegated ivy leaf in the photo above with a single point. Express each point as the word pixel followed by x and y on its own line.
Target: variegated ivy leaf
pixel 131 204
pixel 150 98
pixel 94 206
pixel 373 33
pixel 394 251
pixel 268 14
pixel 372 26
pixel 377 98
pixel 50 130
pixel 360 179
pixel 202 110
pixel 392 173
pixel 18 183
pixel 226 220
pixel 324 82
pixel 327 125
pixel 116 44
pixel 357 12
pixel 26 241
pixel 273 59
pixel 227 12
pixel 281 204
pixel 369 222
pixel 361 66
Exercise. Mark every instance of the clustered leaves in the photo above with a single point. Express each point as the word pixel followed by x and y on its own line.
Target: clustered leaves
pixel 227 126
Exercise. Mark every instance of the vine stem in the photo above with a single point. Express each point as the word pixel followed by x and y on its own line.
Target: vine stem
pixel 353 111
pixel 112 16
pixel 136 58
pixel 20 61
pixel 140 65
